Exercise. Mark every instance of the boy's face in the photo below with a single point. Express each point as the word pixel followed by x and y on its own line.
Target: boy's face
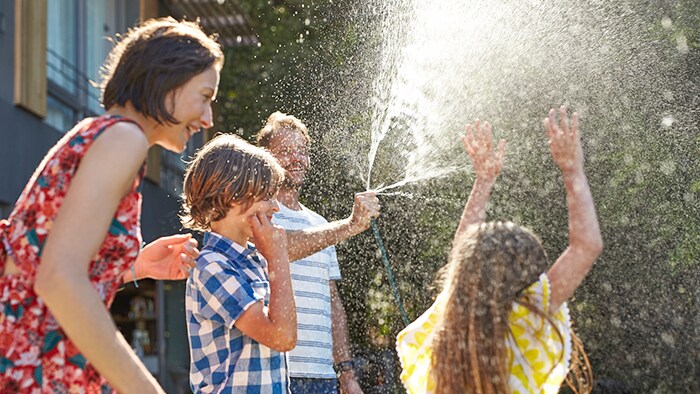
pixel 239 220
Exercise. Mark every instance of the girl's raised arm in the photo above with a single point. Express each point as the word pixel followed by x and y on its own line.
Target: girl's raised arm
pixel 487 163
pixel 585 243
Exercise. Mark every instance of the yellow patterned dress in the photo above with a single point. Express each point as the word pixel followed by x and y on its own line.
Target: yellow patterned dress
pixel 536 360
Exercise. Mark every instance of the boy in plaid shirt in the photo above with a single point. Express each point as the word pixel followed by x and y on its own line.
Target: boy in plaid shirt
pixel 240 307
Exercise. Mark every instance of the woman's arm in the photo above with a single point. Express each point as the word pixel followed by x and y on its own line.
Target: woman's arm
pixel 585 242
pixel 487 163
pixel 105 175
pixel 166 258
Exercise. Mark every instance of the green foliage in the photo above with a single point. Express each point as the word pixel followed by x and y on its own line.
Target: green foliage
pixel 290 70
pixel 638 311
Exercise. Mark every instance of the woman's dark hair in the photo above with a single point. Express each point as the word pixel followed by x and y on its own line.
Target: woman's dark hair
pixel 153 59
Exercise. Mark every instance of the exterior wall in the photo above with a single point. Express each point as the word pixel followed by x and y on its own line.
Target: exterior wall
pixel 24 138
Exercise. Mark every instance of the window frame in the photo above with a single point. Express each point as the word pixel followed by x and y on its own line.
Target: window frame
pixel 78 101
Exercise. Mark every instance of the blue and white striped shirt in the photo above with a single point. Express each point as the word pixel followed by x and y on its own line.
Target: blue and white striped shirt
pixel 313 355
pixel 225 282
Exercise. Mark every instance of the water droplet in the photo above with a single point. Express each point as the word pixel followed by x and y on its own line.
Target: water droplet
pixel 667 121
pixel 666 22
pixel 682 44
pixel 668 338
pixel 668 167
pixel 615 321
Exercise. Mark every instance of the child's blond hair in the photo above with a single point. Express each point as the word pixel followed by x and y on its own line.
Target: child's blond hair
pixel 227 171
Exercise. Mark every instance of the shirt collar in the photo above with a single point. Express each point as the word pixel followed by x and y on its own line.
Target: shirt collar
pixel 229 247
pixel 286 208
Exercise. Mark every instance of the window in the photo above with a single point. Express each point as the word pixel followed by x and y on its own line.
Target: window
pixel 58 115
pixel 77 43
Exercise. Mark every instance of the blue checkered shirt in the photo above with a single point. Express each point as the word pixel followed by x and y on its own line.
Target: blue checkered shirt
pixel 228 279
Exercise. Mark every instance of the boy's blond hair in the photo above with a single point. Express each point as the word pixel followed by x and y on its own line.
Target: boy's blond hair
pixel 279 121
pixel 227 171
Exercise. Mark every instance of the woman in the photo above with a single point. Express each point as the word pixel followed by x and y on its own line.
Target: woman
pixel 74 236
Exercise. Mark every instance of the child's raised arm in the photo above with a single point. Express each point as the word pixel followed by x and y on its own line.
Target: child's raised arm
pixel 585 243
pixel 487 163
pixel 275 326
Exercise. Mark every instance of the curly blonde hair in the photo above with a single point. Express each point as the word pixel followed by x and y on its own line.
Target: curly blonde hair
pixel 279 121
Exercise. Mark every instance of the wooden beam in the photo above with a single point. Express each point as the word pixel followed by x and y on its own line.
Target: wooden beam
pixel 148 9
pixel 30 56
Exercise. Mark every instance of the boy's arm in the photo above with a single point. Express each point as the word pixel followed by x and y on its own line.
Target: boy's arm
pixel 303 243
pixel 487 163
pixel 585 242
pixel 274 326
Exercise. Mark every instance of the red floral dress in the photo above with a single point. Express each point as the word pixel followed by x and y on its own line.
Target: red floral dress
pixel 35 354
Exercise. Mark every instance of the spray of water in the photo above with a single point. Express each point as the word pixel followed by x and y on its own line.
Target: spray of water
pixel 416 98
pixel 630 70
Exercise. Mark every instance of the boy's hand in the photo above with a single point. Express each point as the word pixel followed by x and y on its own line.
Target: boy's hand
pixel 365 207
pixel 564 141
pixel 486 160
pixel 269 239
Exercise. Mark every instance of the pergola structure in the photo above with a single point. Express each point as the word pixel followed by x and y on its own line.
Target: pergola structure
pixel 223 17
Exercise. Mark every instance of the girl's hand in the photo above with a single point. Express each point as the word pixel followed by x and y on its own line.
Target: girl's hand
pixel 486 160
pixel 564 141
pixel 168 258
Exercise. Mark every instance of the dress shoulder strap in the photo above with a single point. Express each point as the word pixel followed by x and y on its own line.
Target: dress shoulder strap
pixel 105 121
